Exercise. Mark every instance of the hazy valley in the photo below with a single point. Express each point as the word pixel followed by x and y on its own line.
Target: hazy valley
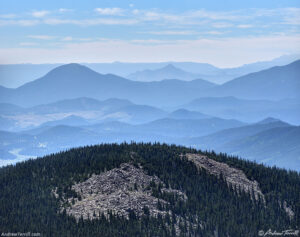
pixel 73 106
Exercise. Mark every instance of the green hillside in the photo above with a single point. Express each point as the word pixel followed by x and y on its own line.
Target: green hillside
pixel 190 201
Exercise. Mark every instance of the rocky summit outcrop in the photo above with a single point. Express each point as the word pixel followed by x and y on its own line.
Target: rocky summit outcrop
pixel 234 177
pixel 120 191
pixel 288 210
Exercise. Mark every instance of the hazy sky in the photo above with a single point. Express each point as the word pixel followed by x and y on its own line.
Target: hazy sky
pixel 223 33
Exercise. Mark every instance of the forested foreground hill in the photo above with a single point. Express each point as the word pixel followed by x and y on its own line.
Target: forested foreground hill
pixel 146 190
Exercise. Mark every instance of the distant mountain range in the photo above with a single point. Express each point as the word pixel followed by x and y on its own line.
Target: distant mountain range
pixel 218 139
pixel 258 66
pixel 189 72
pixel 73 131
pixel 71 120
pixel 73 105
pixel 15 75
pixel 246 110
pixel 270 141
pixel 167 72
pixel 262 147
pixel 80 111
pixel 73 80
pixel 186 114
pixel 276 83
pixel 79 104
pixel 187 127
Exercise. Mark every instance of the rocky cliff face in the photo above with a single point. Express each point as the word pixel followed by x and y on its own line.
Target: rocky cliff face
pixel 234 177
pixel 120 190
pixel 288 210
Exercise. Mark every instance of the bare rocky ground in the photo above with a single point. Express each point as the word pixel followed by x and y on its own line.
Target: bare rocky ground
pixel 128 189
pixel 288 210
pixel 234 177
pixel 119 190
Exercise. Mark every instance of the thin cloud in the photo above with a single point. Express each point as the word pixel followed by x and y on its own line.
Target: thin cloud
pixel 19 22
pixel 109 11
pixel 186 18
pixel 172 32
pixel 8 16
pixel 216 15
pixel 27 44
pixel 85 39
pixel 222 25
pixel 214 33
pixel 135 11
pixel 41 37
pixel 151 41
pixel 215 19
pixel 39 14
pixel 68 38
pixel 90 22
pixel 245 26
pixel 220 19
pixel 62 10
pixel 292 16
pixel 157 16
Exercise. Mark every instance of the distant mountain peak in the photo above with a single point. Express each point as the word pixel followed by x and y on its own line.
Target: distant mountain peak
pixel 295 63
pixel 70 66
pixel 275 83
pixel 169 71
pixel 70 69
pixel 269 120
pixel 187 114
pixel 170 66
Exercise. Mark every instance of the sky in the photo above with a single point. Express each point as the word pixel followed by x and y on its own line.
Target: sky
pixel 223 33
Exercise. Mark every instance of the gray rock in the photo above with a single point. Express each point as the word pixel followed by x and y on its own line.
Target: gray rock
pixel 118 190
pixel 235 177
